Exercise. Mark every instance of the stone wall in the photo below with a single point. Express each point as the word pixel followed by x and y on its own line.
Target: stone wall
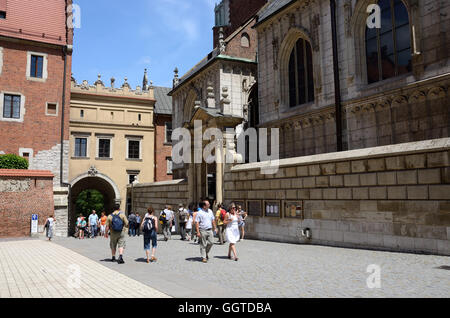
pixel 158 195
pixel 23 193
pixel 393 197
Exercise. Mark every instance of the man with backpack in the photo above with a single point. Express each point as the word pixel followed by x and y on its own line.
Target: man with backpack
pixel 117 223
pixel 167 218
pixel 183 216
pixel 220 217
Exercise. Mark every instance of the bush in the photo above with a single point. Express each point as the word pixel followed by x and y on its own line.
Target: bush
pixel 13 162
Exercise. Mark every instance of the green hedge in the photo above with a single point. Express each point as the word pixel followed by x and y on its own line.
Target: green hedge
pixel 13 162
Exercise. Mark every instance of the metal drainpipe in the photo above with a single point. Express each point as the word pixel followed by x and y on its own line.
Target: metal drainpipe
pixel 63 104
pixel 337 84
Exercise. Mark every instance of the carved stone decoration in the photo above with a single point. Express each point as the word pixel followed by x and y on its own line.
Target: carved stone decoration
pixel 399 100
pixel 113 81
pixel 222 44
pixel 85 85
pixel 145 81
pixel 315 23
pixel 292 21
pixel 73 80
pixel 417 96
pixel 176 80
pixel 275 47
pixel 436 92
pixel 245 113
pixel 92 172
pixel 348 17
pixel 99 81
pixel 126 84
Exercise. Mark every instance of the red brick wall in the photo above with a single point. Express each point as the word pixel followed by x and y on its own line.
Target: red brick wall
pixel 234 47
pixel 162 150
pixel 38 131
pixel 16 208
pixel 240 12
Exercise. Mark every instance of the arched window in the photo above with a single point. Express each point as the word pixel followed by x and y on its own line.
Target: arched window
pixel 245 40
pixel 388 49
pixel 301 84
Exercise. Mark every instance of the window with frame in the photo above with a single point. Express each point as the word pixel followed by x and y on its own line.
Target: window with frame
pixel 134 149
pixel 52 109
pixel 301 81
pixel 11 106
pixel 388 49
pixel 104 148
pixel 81 147
pixel 245 40
pixel 168 137
pixel 2 15
pixel 169 165
pixel 37 66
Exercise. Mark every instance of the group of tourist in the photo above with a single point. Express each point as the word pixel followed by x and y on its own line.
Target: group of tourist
pixel 197 223
pixel 91 228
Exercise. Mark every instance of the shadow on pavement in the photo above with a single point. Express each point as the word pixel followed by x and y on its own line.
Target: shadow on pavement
pixel 108 260
pixel 221 257
pixel 194 259
pixel 141 260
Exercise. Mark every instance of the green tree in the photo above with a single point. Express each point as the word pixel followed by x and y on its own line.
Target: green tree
pixel 11 161
pixel 89 200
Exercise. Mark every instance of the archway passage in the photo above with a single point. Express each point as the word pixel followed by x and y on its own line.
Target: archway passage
pixel 90 183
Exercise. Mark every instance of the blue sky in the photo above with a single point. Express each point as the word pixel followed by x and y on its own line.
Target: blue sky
pixel 121 38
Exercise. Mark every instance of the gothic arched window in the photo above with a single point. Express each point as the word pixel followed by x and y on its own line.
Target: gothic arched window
pixel 245 40
pixel 388 49
pixel 301 83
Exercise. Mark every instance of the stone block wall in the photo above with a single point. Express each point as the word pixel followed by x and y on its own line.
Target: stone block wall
pixel 393 197
pixel 158 195
pixel 23 193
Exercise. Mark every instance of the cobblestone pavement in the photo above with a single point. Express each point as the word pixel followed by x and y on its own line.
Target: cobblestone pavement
pixel 40 269
pixel 268 269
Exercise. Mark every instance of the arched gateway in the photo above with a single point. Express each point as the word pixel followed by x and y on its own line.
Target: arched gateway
pixel 95 181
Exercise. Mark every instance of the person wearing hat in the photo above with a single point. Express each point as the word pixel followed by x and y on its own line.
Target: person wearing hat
pixel 183 216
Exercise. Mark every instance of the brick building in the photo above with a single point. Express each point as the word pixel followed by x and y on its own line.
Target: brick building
pixel 35 66
pixel 163 134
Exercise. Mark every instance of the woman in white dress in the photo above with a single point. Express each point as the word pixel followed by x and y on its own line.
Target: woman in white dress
pixel 232 232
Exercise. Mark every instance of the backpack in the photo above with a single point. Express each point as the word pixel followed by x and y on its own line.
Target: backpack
pixel 117 223
pixel 148 225
pixel 162 218
pixel 223 213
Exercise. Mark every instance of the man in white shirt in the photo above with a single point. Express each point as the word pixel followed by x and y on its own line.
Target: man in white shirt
pixel 167 227
pixel 204 223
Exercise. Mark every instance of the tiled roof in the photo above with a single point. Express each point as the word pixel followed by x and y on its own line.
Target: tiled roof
pixel 273 7
pixel 25 173
pixel 163 104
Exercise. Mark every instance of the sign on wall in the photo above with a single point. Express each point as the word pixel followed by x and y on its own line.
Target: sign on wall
pixel 254 208
pixel 293 209
pixel 272 208
pixel 34 223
